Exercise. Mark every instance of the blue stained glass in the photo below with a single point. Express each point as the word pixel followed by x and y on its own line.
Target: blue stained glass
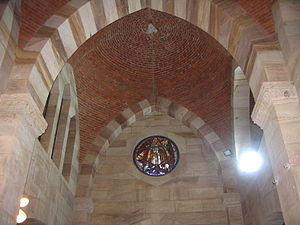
pixel 156 155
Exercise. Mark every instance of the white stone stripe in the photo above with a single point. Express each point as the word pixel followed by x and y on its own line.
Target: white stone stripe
pixel 113 125
pixel 50 59
pixel 197 123
pixel 180 112
pixel 146 107
pixel 180 9
pixel 8 17
pixel 115 134
pixel 157 4
pixel 110 10
pixel 164 105
pixel 204 15
pixel 144 104
pixel 88 20
pixel 6 23
pixel 211 137
pixel 38 85
pixel 131 120
pixel 55 21
pixel 67 38
pixel 2 53
pixel 134 5
pixel 129 115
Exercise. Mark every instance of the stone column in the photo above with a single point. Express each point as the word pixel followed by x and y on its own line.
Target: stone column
pixel 241 122
pixel 277 112
pixel 20 124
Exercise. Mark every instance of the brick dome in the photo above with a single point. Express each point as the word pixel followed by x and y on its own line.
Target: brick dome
pixel 149 54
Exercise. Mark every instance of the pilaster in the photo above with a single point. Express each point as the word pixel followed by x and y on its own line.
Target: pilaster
pixel 21 123
pixel 277 112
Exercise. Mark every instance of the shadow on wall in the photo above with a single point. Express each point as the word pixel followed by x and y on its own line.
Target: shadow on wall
pixel 275 218
pixel 32 221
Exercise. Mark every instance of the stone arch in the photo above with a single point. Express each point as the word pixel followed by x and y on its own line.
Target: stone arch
pixel 66 31
pixel 46 53
pixel 108 133
pixel 113 129
pixel 52 53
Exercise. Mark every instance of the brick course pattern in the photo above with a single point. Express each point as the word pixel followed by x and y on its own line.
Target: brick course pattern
pixel 122 65
pixel 34 14
pixel 68 29
pixel 261 10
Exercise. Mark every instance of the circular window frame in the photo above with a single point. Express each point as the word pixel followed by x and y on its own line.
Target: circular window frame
pixel 155 175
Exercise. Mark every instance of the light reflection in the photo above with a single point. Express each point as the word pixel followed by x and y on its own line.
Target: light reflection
pixel 24 201
pixel 250 161
pixel 21 216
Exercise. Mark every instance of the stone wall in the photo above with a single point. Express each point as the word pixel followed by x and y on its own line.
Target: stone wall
pixel 51 197
pixel 193 193
pixel 259 195
pixel 260 201
pixel 52 177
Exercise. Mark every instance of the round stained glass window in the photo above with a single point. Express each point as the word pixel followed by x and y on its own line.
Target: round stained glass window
pixel 156 156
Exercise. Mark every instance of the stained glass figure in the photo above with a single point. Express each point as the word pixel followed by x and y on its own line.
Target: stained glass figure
pixel 156 156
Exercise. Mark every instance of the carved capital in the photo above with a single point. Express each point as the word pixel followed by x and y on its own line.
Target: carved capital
pixel 84 204
pixel 275 92
pixel 23 106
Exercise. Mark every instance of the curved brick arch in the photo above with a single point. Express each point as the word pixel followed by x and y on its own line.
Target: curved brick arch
pixel 66 31
pixel 76 22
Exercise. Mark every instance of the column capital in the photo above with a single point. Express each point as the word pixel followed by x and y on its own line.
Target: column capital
pixel 272 92
pixel 22 106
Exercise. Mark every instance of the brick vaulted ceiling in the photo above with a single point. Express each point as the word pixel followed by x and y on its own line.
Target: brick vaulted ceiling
pixel 122 64
pixel 34 13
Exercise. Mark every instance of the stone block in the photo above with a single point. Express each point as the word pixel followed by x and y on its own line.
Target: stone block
pixel 199 205
pixel 160 207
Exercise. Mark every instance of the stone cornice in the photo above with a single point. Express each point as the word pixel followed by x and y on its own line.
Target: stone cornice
pixel 272 92
pixel 23 105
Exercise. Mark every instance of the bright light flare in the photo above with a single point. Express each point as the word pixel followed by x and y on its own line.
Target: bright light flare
pixel 21 216
pixel 250 161
pixel 24 201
